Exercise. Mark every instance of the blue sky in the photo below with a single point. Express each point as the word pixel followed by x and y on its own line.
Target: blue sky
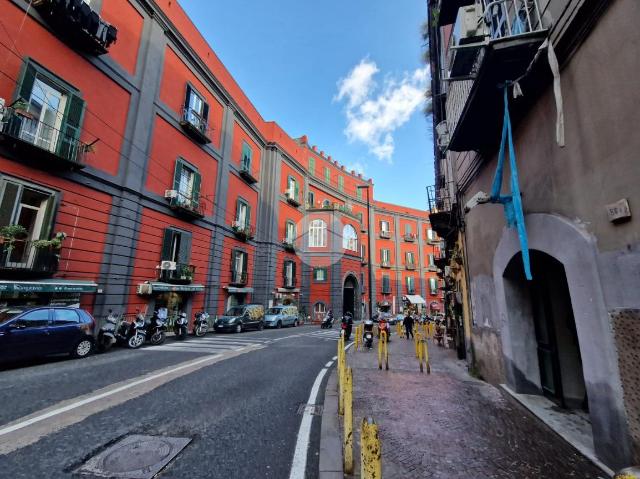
pixel 347 73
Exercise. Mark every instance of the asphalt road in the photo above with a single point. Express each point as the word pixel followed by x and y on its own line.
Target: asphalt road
pixel 236 396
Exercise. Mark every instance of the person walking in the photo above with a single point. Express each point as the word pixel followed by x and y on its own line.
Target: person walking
pixel 408 325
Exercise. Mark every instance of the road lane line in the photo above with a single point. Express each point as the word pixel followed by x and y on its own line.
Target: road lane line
pixel 299 464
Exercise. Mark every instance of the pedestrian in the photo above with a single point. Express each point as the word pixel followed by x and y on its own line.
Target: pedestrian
pixel 408 325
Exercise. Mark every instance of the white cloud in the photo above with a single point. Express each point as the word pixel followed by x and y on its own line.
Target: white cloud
pixel 356 166
pixel 374 114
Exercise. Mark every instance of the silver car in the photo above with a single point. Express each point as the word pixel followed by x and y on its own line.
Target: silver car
pixel 279 316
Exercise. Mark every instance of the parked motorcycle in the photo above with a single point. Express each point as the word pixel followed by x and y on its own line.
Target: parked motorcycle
pixel 107 334
pixel 347 323
pixel 367 335
pixel 132 334
pixel 201 324
pixel 327 321
pixel 155 328
pixel 180 326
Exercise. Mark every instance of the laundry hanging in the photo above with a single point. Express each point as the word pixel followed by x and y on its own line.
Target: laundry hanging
pixel 512 202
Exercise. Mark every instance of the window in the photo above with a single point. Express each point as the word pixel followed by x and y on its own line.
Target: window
pixel 349 238
pixel 359 193
pixel 407 228
pixel 341 183
pixel 363 252
pixel 384 226
pixel 360 217
pixel 176 246
pixel 386 284
pixel 411 289
pixel 243 214
pixel 292 188
pixel 326 204
pixel 431 235
pixel 196 110
pixel 56 109
pixel 317 234
pixel 65 316
pixel 239 267
pixel 433 286
pixel 186 181
pixel 410 257
pixel 385 256
pixel 431 262
pixel 311 199
pixel 327 174
pixel 247 156
pixel 290 231
pixel 320 274
pixel 312 166
pixel 289 274
pixel 319 311
pixel 34 319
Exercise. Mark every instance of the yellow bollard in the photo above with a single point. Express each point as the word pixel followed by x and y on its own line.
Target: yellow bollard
pixel 370 450
pixel 348 421
pixel 380 351
pixel 420 358
pixel 426 356
pixel 341 364
pixel 416 340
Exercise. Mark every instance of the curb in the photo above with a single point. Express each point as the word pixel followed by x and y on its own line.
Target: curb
pixel 330 438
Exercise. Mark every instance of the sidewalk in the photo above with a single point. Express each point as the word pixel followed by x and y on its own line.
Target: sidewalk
pixel 450 425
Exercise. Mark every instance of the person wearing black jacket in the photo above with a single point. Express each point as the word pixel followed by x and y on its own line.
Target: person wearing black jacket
pixel 408 324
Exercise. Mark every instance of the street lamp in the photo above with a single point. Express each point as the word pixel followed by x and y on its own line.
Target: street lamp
pixel 369 252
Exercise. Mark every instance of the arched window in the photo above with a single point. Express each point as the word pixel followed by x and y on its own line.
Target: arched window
pixel 326 204
pixel 349 238
pixel 317 234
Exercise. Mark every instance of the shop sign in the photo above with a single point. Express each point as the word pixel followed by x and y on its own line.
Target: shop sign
pixel 45 287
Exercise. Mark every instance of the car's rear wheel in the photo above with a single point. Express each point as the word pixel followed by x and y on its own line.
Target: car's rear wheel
pixel 279 325
pixel 260 326
pixel 239 328
pixel 82 349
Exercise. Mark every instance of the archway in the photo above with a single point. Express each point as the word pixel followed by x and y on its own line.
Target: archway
pixel 350 296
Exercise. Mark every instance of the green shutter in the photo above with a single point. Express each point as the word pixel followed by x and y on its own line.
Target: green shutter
pixel 70 128
pixel 341 183
pixel 166 243
pixel 47 222
pixel 327 175
pixel 312 166
pixel 177 173
pixel 28 77
pixel 359 193
pixel 197 179
pixel 245 262
pixel 187 96
pixel 248 218
pixel 184 252
pixel 296 188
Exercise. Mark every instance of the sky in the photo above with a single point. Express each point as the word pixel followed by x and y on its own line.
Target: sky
pixel 346 73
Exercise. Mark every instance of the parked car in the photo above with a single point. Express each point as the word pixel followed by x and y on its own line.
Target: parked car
pixel 398 318
pixel 240 318
pixel 31 332
pixel 279 316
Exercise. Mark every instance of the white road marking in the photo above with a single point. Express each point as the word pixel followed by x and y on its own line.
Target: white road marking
pixel 299 464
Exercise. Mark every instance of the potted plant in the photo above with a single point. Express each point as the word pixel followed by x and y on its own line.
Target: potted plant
pixel 54 243
pixel 9 234
pixel 21 108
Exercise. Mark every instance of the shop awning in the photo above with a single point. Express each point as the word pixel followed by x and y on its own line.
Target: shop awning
pixel 233 289
pixel 158 287
pixel 48 286
pixel 414 299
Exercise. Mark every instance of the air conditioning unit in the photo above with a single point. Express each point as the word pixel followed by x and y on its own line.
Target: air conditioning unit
pixel 144 288
pixel 469 28
pixel 442 133
pixel 168 265
pixel 170 194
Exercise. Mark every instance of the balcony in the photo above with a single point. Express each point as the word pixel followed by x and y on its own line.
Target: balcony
pixel 292 198
pixel 410 237
pixel 75 21
pixel 290 282
pixel 246 174
pixel 242 231
pixel 289 245
pixel 195 126
pixel 442 210
pixel 385 234
pixel 385 264
pixel 28 138
pixel 432 267
pixel 238 278
pixel 386 291
pixel 440 262
pixel 184 205
pixel 28 259
pixel 410 266
pixel 499 48
pixel 176 273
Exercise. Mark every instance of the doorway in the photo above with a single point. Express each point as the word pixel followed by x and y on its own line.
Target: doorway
pixel 545 304
pixel 349 291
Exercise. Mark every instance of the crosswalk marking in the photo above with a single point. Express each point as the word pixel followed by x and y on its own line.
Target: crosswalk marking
pixel 210 345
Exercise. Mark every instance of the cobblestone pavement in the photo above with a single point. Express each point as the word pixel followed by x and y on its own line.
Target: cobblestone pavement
pixel 450 425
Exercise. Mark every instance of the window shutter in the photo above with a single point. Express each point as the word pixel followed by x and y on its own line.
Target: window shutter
pixel 70 128
pixel 296 189
pixel 187 96
pixel 293 269
pixel 26 82
pixel 166 243
pixel 47 222
pixel 197 179
pixel 184 254
pixel 205 113
pixel 247 221
pixel 245 260
pixel 177 173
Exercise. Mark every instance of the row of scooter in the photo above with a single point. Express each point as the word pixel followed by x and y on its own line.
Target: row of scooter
pixel 117 331
pixel 347 323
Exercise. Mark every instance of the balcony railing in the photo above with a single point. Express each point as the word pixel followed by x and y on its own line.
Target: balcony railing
pixel 243 231
pixel 290 282
pixel 186 204
pixel 410 237
pixel 410 266
pixel 292 198
pixel 509 18
pixel 182 274
pixel 76 21
pixel 432 267
pixel 239 278
pixel 246 173
pixel 22 258
pixel 442 209
pixel 385 234
pixel 31 138
pixel 289 244
pixel 195 125
pixel 385 264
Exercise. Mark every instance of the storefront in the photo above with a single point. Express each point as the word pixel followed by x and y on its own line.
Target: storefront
pixel 49 292
pixel 176 298
pixel 236 296
pixel 287 296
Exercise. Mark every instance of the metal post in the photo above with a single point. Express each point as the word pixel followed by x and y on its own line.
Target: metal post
pixel 348 421
pixel 370 450
pixel 369 252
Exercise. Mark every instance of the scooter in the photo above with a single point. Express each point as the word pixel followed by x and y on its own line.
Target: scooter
pixel 346 326
pixel 180 327
pixel 327 322
pixel 132 334
pixel 384 326
pixel 155 328
pixel 368 334
pixel 107 334
pixel 201 324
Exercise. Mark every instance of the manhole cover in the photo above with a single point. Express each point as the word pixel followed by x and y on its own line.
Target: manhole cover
pixel 314 409
pixel 135 457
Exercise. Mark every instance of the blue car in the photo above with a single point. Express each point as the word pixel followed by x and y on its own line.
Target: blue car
pixel 279 316
pixel 31 332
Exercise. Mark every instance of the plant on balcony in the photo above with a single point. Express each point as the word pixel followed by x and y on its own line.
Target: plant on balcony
pixel 21 108
pixel 9 234
pixel 54 243
pixel 186 272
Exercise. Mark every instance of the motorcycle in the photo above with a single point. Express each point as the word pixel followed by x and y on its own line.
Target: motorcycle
pixel 368 334
pixel 132 334
pixel 155 328
pixel 107 334
pixel 347 322
pixel 327 322
pixel 180 327
pixel 201 324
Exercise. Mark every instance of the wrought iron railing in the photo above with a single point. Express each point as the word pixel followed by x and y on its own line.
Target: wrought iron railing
pixel 242 230
pixel 182 274
pixel 27 257
pixel 187 203
pixel 509 18
pixel 239 277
